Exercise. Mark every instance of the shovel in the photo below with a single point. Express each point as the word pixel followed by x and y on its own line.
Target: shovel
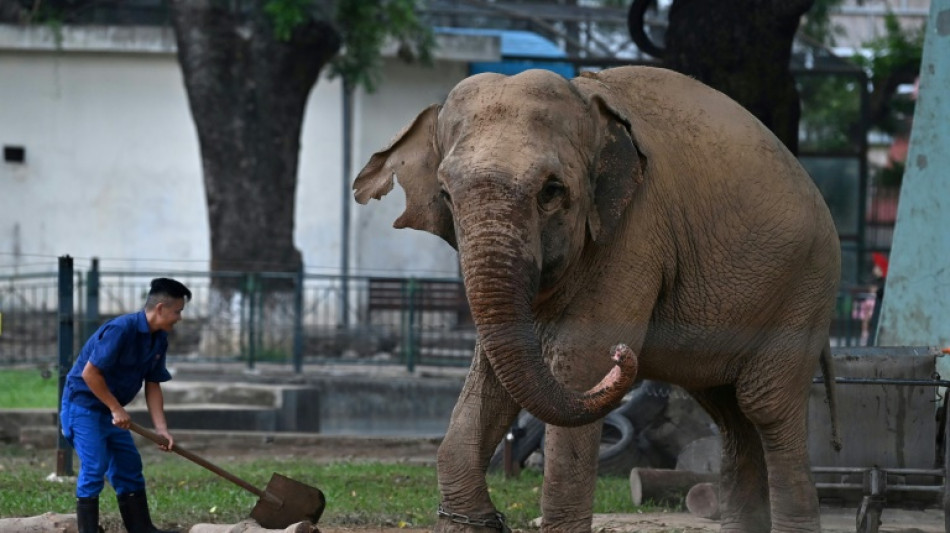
pixel 282 503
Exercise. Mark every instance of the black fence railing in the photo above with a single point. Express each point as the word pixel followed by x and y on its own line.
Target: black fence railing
pixel 291 319
pixel 272 317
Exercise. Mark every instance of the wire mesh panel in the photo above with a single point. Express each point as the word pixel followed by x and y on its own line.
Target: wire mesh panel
pixel 125 292
pixel 434 321
pixel 281 318
pixel 28 318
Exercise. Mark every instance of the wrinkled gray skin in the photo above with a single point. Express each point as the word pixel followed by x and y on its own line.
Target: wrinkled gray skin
pixel 632 206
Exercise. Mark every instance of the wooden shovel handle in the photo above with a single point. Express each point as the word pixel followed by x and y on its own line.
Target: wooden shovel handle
pixel 158 439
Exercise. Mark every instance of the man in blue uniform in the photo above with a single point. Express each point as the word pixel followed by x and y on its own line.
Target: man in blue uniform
pixel 110 371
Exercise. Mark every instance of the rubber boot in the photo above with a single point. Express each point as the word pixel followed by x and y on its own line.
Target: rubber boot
pixel 87 515
pixel 134 510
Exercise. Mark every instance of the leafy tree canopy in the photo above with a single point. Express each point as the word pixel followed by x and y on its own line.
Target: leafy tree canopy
pixel 892 60
pixel 365 26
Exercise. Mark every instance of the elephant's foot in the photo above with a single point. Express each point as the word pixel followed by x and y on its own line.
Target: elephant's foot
pixel 582 525
pixel 452 522
pixel 740 527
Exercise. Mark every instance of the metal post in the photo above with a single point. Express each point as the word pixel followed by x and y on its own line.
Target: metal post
pixel 862 245
pixel 411 345
pixel 79 312
pixel 92 300
pixel 345 206
pixel 64 452
pixel 945 430
pixel 298 322
pixel 252 320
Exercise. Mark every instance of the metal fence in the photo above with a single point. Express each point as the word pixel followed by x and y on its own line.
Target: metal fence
pixel 270 317
pixel 292 319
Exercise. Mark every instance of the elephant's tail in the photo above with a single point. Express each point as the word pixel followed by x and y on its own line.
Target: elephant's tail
pixel 828 372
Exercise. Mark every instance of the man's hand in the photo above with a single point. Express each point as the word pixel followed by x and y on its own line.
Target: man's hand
pixel 156 407
pixel 121 418
pixel 167 447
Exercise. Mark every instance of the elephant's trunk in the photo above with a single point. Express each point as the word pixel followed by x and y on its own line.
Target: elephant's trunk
pixel 502 281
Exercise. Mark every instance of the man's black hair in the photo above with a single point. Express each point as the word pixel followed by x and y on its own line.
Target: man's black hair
pixel 166 288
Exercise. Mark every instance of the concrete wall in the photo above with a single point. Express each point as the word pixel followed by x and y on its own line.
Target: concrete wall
pixel 113 167
pixel 861 21
pixel 329 405
pixel 104 174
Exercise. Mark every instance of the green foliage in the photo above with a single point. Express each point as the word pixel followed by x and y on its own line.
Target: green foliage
pixel 890 176
pixel 898 51
pixel 831 104
pixel 272 355
pixel 891 60
pixel 365 27
pixel 28 389
pixel 831 111
pixel 287 15
pixel 817 23
pixel 358 493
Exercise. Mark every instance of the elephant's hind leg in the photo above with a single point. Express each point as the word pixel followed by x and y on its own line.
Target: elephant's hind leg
pixel 482 415
pixel 743 482
pixel 781 415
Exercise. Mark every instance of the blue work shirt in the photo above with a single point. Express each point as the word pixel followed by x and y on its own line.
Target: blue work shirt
pixel 127 354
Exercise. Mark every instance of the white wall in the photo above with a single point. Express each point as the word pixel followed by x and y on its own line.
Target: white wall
pixel 380 248
pixel 113 167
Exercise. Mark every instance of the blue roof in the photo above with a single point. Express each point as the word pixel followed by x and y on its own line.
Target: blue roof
pixel 517 43
pixel 514 42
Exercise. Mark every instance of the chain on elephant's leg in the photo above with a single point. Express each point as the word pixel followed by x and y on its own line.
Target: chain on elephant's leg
pixel 480 419
pixel 466 504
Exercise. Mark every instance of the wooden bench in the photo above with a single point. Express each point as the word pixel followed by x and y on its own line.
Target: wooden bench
pixel 401 294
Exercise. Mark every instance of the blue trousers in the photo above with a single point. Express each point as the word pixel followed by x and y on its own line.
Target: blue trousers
pixel 104 450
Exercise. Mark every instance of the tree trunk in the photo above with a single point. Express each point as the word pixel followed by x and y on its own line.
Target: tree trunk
pixel 44 523
pixel 247 92
pixel 703 500
pixel 664 486
pixel 740 47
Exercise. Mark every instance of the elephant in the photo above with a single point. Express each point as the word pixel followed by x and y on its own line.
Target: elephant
pixel 628 223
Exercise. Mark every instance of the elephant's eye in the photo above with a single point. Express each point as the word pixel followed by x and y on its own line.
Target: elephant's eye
pixel 445 196
pixel 552 194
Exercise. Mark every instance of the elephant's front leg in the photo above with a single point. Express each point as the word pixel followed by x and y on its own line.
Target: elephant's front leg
pixel 481 417
pixel 570 476
pixel 570 454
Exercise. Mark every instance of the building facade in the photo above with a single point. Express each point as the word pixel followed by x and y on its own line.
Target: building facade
pixel 101 157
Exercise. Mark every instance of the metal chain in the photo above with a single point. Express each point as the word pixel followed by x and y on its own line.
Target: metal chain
pixel 496 522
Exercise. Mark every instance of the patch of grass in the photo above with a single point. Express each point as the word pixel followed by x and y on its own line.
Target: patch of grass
pixel 360 493
pixel 182 494
pixel 27 388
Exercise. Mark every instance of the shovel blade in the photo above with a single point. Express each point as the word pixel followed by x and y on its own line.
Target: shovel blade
pixel 297 502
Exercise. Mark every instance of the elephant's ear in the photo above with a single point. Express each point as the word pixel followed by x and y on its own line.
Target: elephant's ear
pixel 412 158
pixel 619 165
